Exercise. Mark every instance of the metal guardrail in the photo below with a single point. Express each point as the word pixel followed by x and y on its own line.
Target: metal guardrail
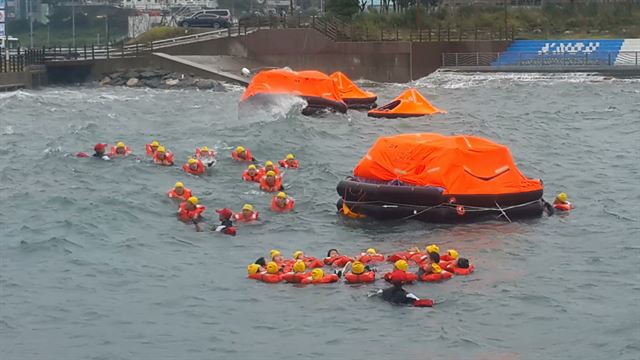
pixel 19 59
pixel 526 59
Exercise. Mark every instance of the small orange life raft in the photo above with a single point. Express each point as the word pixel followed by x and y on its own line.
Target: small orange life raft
pixel 409 104
pixel 351 94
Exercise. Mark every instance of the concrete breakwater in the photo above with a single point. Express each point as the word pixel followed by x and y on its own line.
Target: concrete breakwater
pixel 159 79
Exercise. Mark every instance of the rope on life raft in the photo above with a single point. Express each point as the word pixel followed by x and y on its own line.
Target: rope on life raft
pixel 502 211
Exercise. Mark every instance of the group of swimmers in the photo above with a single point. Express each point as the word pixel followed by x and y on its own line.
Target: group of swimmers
pixel 430 266
pixel 190 210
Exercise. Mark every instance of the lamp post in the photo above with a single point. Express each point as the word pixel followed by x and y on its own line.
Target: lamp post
pixel 31 24
pixel 73 22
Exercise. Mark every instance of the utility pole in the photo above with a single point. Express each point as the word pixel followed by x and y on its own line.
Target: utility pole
pixel 31 24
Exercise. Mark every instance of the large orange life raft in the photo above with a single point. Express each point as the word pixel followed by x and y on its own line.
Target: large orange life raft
pixel 409 104
pixel 351 94
pixel 439 178
pixel 313 86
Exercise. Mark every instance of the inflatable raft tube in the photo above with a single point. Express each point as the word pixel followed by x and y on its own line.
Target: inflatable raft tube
pixel 352 190
pixel 444 213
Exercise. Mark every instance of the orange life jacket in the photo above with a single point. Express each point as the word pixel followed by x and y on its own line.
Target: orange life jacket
pixel 399 276
pixel 199 171
pixel 247 177
pixel 446 257
pixel 295 278
pixel 200 154
pixel 366 277
pixel 284 164
pixel 452 267
pixel 112 153
pixel 240 217
pixel 290 203
pixel 247 154
pixel 312 262
pixel 266 277
pixel 185 194
pixel 444 275
pixel 370 259
pixel 168 159
pixel 566 206
pixel 188 215
pixel 276 186
pixel 403 255
pixel 338 261
pixel 328 278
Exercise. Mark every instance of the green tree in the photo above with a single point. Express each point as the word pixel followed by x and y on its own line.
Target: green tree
pixel 343 8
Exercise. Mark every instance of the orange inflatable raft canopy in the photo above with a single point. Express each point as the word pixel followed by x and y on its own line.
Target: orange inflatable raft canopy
pixel 351 94
pixel 458 164
pixel 409 104
pixel 315 87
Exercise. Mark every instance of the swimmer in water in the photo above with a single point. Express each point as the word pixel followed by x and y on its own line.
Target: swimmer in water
pixel 248 214
pixel 562 203
pixel 99 151
pixel 179 192
pixel 251 174
pixel 208 157
pixel 398 296
pixel 226 225
pixel 120 150
pixel 289 162
pixel 152 148
pixel 163 157
pixel 242 154
pixel 282 203
pixel 271 182
pixel 268 166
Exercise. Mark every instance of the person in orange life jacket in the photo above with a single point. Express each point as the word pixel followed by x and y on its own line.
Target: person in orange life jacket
pixel 272 275
pixel 289 162
pixel 254 271
pixel 298 273
pixel 371 256
pixel 190 210
pixel 152 147
pixel 318 277
pixel 262 262
pixel 450 257
pixel 562 203
pixel 359 274
pixel 179 192
pixel 242 154
pixel 248 214
pixel 335 259
pixel 433 272
pixel 282 203
pixel 226 225
pixel 194 167
pixel 270 182
pixel 432 250
pixel 400 273
pixel 268 166
pixel 251 174
pixel 163 157
pixel 208 157
pixel 120 150
pixel 461 267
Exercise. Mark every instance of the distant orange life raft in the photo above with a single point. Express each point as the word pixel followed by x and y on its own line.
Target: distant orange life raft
pixel 316 88
pixel 351 94
pixel 409 104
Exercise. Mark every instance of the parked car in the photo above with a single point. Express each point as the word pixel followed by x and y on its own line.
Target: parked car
pixel 203 19
pixel 223 13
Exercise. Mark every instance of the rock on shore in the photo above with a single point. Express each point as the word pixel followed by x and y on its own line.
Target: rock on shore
pixel 159 79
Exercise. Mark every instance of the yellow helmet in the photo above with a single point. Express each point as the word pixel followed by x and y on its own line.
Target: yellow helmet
pixel 453 253
pixel 161 149
pixel 247 207
pixel 120 144
pixel 271 173
pixel 192 161
pixel 436 268
pixel 204 148
pixel 290 157
pixel 268 163
pixel 433 248
pixel 371 251
pixel 155 143
pixel 297 254
pixel 193 200
pixel 179 184
pixel 317 274
pixel 357 268
pixel 281 195
pixel 401 265
pixel 272 268
pixel 274 253
pixel 239 149
pixel 299 267
pixel 252 167
pixel 253 268
pixel 562 197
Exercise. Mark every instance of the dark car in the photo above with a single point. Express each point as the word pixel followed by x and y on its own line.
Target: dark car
pixel 204 20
